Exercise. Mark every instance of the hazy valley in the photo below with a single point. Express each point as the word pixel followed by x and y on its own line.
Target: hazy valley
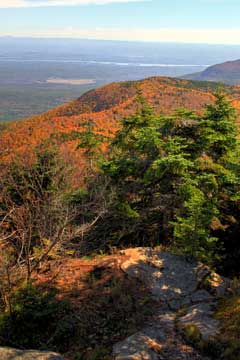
pixel 27 68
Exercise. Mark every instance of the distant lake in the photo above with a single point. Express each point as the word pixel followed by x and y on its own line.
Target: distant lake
pixel 6 60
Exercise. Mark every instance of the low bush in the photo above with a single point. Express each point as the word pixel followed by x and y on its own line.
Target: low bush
pixel 38 319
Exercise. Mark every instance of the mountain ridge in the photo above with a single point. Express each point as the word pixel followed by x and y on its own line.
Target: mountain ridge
pixel 227 72
pixel 103 108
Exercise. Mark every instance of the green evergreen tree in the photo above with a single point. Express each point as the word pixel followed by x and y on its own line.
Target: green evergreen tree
pixel 214 184
pixel 90 143
pixel 218 129
pixel 171 178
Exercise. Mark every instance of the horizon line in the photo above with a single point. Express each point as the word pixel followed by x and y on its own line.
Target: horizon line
pixel 114 40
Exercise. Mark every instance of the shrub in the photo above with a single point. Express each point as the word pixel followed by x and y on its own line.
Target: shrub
pixel 34 216
pixel 38 319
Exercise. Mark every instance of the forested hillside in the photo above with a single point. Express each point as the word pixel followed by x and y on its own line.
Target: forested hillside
pixel 104 108
pixel 153 164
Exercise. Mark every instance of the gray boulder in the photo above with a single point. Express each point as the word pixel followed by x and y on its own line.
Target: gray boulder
pixel 14 354
pixel 186 292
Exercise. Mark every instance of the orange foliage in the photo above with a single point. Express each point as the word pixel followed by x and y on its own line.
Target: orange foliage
pixel 104 107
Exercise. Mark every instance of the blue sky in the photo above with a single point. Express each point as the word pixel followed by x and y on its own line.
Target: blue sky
pixel 199 21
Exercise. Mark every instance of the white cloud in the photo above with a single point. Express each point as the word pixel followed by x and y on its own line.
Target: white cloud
pixel 5 4
pixel 210 36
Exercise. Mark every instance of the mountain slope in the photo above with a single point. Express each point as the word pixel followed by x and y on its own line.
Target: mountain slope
pixel 104 108
pixel 228 73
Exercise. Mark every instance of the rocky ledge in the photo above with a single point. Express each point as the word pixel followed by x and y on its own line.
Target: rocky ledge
pixel 187 294
pixel 14 354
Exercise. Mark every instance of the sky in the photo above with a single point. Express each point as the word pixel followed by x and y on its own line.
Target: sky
pixel 187 21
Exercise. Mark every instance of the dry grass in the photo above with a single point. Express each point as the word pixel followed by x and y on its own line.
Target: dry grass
pixel 229 315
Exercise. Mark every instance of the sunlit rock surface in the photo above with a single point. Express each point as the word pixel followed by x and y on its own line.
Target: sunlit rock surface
pixel 187 293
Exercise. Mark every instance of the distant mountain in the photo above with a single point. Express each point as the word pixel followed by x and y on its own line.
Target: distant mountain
pixel 227 72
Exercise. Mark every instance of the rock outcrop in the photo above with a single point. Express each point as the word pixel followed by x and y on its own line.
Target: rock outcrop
pixel 14 354
pixel 187 294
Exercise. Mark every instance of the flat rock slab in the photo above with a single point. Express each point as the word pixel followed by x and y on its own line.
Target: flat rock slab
pixel 157 342
pixel 171 278
pixel 148 343
pixel 168 276
pixel 138 346
pixel 175 283
pixel 201 296
pixel 14 354
pixel 201 315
